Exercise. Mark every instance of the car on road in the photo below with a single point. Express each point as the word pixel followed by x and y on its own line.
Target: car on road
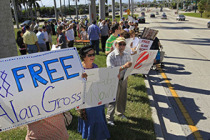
pixel 188 10
pixel 141 20
pixel 164 16
pixel 76 17
pixel 27 22
pixel 208 24
pixel 152 15
pixel 70 18
pixel 83 17
pixel 180 17
pixel 52 20
pixel 142 14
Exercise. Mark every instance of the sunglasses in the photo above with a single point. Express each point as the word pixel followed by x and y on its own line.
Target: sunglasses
pixel 122 44
pixel 93 54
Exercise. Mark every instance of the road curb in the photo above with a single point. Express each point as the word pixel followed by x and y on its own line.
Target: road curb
pixel 166 123
pixel 155 118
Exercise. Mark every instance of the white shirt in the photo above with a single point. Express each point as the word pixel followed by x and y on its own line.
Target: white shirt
pixel 70 34
pixel 46 36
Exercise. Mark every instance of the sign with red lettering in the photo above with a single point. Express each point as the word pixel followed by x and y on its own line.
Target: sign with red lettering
pixel 39 85
pixel 145 45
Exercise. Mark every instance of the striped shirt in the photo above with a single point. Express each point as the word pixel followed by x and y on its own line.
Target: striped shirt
pixel 114 59
pixel 109 42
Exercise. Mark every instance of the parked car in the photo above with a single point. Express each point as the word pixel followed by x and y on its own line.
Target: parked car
pixel 51 20
pixel 180 17
pixel 141 20
pixel 68 19
pixel 208 24
pixel 27 22
pixel 188 10
pixel 142 14
pixel 164 16
pixel 83 17
pixel 152 15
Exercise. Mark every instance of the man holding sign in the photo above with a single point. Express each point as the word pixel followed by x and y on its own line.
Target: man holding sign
pixel 119 57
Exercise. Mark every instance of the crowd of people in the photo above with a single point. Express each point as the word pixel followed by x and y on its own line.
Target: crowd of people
pixel 92 123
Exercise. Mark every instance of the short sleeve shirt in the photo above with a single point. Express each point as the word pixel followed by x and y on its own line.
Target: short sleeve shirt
pixel 114 59
pixel 30 38
pixel 109 42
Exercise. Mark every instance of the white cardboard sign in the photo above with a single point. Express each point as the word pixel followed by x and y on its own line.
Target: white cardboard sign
pixel 36 86
pixel 101 87
pixel 141 63
pixel 145 45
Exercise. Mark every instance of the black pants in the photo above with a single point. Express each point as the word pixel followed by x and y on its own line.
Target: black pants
pixel 48 46
pixel 71 43
pixel 103 42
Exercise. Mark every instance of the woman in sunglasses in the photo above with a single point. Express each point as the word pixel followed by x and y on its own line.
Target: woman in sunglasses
pixel 92 123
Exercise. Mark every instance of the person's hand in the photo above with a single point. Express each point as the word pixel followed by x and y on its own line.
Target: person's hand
pixel 84 75
pixel 128 64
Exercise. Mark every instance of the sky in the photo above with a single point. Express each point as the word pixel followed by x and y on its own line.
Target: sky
pixel 49 3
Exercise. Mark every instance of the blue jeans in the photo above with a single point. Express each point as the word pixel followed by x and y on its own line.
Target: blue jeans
pixel 95 45
pixel 32 49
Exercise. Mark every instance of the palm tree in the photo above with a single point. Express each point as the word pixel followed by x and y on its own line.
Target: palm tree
pixel 7 45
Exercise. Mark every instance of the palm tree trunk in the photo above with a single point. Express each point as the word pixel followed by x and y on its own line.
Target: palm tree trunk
pixel 7 45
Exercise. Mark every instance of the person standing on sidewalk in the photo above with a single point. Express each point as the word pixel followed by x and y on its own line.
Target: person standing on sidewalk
pixel 46 36
pixel 118 57
pixel 94 35
pixel 31 41
pixel 104 34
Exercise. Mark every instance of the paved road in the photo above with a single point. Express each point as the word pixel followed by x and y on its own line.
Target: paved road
pixel 187 65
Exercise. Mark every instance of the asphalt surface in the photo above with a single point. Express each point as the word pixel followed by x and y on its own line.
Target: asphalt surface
pixel 187 64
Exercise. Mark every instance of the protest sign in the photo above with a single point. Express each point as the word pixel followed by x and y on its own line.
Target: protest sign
pixel 101 87
pixel 36 86
pixel 54 47
pixel 141 63
pixel 144 45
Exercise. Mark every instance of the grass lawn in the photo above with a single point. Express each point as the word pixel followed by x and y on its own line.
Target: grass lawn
pixel 139 125
pixel 198 15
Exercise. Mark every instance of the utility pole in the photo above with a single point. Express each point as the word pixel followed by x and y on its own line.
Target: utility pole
pixel 129 7
pixel 177 7
pixel 113 10
pixel 15 13
pixel 121 9
pixel 76 11
pixel 61 10
pixel 69 8
pixel 64 6
pixel 132 8
pixel 56 13
pixel 102 9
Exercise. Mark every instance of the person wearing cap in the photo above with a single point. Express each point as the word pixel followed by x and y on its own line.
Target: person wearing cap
pixel 41 40
pixel 115 32
pixel 119 57
pixel 92 123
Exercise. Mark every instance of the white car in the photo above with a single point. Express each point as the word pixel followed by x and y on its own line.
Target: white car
pixel 180 17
